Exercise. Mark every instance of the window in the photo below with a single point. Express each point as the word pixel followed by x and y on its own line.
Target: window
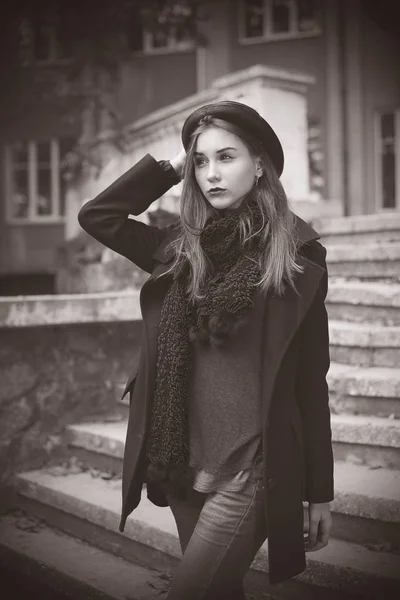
pixel 44 39
pixel 387 133
pixel 49 40
pixel 278 19
pixel 35 189
pixel 168 30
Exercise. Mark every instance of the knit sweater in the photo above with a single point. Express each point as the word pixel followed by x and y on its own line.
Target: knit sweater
pixel 224 408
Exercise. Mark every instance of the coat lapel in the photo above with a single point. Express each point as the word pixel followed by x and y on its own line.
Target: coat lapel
pixel 284 314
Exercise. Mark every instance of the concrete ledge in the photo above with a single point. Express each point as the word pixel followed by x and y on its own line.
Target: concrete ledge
pixel 374 252
pixel 364 344
pixel 378 271
pixel 361 237
pixel 364 293
pixel 341 565
pixel 359 223
pixel 365 492
pixel 363 335
pixel 364 429
pixel 275 77
pixel 387 315
pixel 372 391
pixel 376 382
pixel 109 438
pixel 364 301
pixel 102 438
pixel 26 311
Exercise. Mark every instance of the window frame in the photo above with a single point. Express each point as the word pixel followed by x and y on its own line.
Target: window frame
pixel 268 34
pixel 173 46
pixel 53 58
pixel 377 158
pixel 32 217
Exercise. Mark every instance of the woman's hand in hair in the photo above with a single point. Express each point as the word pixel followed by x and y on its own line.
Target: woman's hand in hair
pixel 178 162
pixel 320 525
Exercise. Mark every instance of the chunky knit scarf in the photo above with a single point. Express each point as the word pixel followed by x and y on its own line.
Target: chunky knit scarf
pixel 228 296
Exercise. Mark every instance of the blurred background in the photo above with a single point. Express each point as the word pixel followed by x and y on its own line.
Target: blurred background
pixel 88 88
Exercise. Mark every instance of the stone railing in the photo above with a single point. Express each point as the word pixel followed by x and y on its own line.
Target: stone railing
pixel 278 95
pixel 63 359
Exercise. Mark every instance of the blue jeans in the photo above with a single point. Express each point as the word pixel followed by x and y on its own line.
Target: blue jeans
pixel 220 533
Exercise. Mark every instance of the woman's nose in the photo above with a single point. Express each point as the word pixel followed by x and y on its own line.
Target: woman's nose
pixel 212 172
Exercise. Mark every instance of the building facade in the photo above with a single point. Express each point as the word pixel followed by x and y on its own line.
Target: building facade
pixel 353 112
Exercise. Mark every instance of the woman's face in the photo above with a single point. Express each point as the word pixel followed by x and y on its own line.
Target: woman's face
pixel 224 168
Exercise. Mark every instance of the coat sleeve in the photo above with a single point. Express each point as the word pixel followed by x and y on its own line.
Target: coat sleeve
pixel 312 393
pixel 105 217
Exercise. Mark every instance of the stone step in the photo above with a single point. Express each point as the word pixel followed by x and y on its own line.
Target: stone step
pixel 47 557
pixel 381 227
pixel 361 439
pixel 35 553
pixel 99 445
pixel 364 344
pixel 73 501
pixel 371 391
pixel 364 301
pixel 365 261
pixel 366 440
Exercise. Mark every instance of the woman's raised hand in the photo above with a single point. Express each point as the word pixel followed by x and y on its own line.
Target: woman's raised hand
pixel 178 161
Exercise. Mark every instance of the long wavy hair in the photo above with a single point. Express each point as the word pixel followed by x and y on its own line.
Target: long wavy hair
pixel 279 244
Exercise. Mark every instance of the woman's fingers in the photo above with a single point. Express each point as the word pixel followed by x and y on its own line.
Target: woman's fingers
pixel 178 161
pixel 320 541
pixel 319 530
pixel 313 531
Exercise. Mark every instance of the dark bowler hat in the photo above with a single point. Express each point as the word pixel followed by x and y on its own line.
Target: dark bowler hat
pixel 245 117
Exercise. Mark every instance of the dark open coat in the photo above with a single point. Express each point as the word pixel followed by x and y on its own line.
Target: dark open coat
pixel 298 459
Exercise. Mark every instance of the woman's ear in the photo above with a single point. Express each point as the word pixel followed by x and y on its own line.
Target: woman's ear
pixel 259 170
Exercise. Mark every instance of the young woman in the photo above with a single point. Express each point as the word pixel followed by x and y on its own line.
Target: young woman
pixel 229 417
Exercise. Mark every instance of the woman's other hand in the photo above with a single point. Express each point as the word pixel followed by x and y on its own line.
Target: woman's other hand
pixel 178 162
pixel 320 525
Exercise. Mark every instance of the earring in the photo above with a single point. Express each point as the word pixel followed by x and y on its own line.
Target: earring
pixel 257 178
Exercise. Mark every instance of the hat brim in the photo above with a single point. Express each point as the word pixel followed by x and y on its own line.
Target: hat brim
pixel 245 117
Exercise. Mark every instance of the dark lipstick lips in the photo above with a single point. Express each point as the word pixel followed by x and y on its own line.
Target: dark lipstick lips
pixel 216 189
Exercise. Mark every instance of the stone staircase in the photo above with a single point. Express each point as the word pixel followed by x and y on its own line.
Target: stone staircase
pixel 362 559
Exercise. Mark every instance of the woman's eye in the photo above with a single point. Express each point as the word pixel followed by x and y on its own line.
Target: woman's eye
pixel 225 156
pixel 199 162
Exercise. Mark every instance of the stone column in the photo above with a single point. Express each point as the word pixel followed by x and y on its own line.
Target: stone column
pixel 280 97
pixel 354 109
pixel 213 58
pixel 333 134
